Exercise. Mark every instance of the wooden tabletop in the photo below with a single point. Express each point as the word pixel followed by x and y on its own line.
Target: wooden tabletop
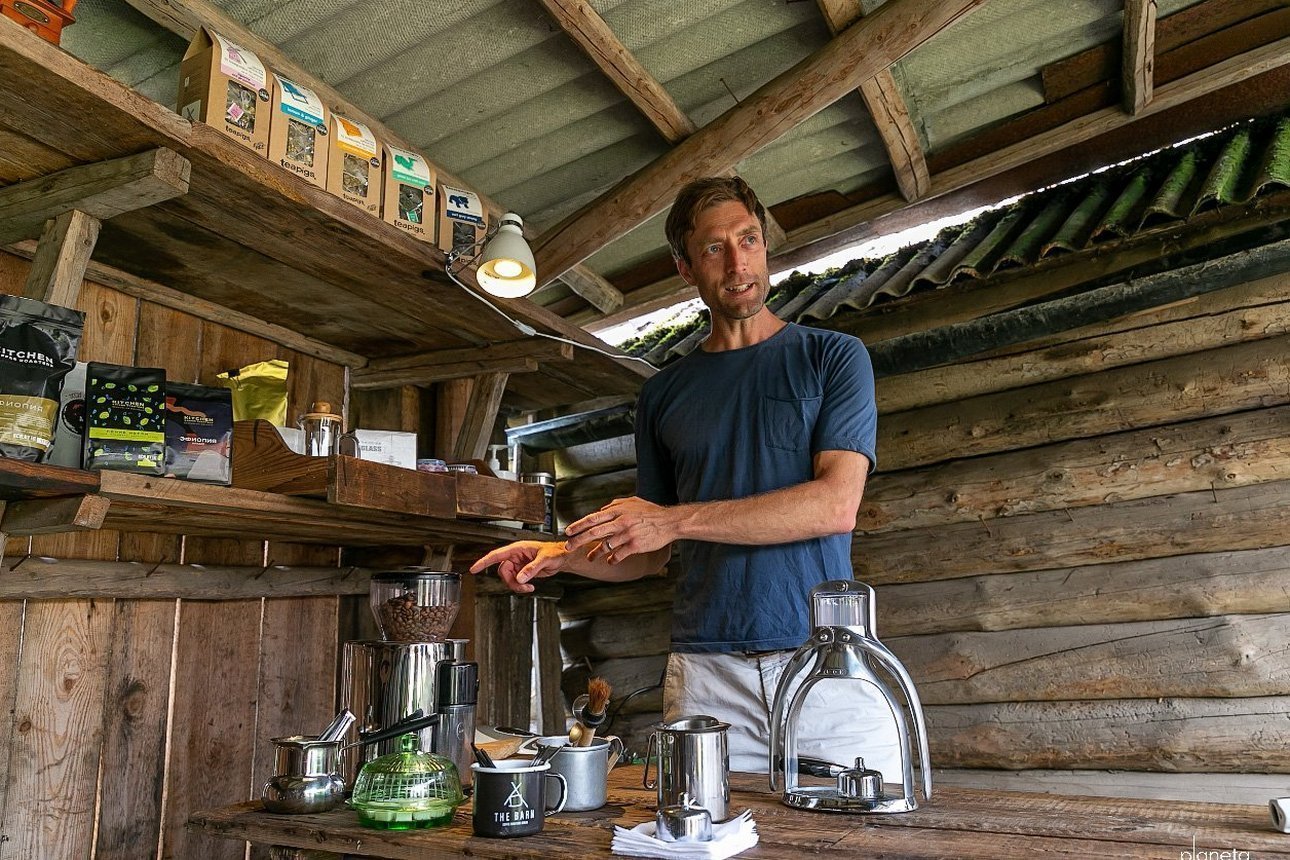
pixel 958 823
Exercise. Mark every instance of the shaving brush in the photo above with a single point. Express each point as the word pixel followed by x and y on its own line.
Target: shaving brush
pixel 589 712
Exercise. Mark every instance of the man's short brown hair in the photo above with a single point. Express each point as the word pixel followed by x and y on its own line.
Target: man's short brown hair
pixel 699 195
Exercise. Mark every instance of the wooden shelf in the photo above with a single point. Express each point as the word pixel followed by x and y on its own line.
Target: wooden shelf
pixel 139 503
pixel 253 237
pixel 262 461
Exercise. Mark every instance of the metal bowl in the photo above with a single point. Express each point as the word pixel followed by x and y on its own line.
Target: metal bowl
pixel 684 822
pixel 301 795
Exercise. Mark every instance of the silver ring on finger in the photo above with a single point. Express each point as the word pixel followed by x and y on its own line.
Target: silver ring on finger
pixel 608 545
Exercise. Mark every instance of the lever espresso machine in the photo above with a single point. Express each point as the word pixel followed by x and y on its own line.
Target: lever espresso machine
pixel 845 650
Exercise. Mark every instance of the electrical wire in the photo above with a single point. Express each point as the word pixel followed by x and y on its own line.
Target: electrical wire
pixel 524 327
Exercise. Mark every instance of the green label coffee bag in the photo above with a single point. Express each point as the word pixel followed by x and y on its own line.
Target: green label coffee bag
pixel 125 411
pixel 38 344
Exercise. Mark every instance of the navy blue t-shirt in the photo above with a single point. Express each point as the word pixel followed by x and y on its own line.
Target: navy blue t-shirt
pixel 726 425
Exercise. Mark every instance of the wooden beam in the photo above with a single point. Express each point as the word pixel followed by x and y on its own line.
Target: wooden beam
pixel 102 190
pixel 151 291
pixel 58 269
pixel 777 107
pixel 890 111
pixel 663 294
pixel 515 356
pixel 481 414
pixel 951 343
pixel 861 222
pixel 1218 583
pixel 55 578
pixel 51 516
pixel 1221 736
pixel 1138 61
pixel 602 295
pixel 629 76
pixel 593 35
pixel 1239 518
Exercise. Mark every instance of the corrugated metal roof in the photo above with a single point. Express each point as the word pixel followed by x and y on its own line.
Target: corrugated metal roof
pixel 1081 217
pixel 496 93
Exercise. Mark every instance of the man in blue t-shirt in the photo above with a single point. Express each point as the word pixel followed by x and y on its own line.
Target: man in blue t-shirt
pixel 752 455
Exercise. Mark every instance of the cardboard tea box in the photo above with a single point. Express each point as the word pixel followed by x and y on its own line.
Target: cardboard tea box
pixel 392 447
pixel 298 131
pixel 354 164
pixel 461 218
pixel 408 198
pixel 227 87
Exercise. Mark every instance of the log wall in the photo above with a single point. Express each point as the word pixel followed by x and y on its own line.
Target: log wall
pixel 1079 544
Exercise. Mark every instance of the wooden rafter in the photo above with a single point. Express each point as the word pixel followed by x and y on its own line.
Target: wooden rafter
pixel 858 223
pixel 1139 53
pixel 101 190
pixel 62 255
pixel 602 295
pixel 886 104
pixel 593 35
pixel 517 356
pixel 856 55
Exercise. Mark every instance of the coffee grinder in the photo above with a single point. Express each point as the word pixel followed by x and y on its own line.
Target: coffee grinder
pixel 412 667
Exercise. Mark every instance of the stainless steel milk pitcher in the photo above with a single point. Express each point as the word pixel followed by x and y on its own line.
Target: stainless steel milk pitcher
pixel 693 760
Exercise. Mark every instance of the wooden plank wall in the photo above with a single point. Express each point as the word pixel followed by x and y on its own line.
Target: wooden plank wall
pixel 1079 546
pixel 127 715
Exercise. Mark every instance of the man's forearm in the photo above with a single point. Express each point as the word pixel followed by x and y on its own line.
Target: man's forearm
pixel 791 514
pixel 632 567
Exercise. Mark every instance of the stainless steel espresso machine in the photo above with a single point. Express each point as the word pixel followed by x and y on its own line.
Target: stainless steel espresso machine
pixel 413 667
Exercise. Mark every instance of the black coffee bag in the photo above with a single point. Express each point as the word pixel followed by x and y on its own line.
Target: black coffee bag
pixel 38 344
pixel 199 432
pixel 124 418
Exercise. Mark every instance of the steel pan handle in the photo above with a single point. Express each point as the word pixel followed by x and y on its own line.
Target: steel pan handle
pixel 653 742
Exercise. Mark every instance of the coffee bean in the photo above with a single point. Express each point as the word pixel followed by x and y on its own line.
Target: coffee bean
pixel 404 621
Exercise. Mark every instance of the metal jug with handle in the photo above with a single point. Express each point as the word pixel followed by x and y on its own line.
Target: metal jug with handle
pixel 693 761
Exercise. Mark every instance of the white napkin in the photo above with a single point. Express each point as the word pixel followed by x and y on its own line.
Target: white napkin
pixel 737 834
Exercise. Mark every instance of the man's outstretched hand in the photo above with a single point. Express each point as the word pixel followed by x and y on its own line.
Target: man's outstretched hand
pixel 520 562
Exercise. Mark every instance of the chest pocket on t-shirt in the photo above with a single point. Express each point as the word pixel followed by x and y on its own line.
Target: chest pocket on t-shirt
pixel 787 421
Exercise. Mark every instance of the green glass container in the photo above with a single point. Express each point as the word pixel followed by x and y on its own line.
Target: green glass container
pixel 407 790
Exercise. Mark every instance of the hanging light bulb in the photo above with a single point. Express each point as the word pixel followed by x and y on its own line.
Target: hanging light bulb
pixel 506 267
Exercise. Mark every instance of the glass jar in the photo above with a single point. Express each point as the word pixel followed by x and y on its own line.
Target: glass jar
pixel 407 790
pixel 415 604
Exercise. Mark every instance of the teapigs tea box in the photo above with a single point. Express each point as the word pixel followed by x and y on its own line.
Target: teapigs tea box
pixel 298 131
pixel 227 87
pixel 354 164
pixel 461 218
pixel 408 201
pixel 125 418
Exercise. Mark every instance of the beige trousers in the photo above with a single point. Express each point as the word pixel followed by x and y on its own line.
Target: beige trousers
pixel 840 719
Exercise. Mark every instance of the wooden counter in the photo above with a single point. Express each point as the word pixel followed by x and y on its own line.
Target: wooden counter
pixel 958 823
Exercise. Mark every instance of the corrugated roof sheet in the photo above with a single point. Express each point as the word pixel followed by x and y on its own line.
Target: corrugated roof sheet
pixel 1168 187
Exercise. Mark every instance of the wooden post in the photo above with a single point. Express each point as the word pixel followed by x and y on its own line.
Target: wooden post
pixel 62 255
pixel 481 414
pixel 550 667
pixel 505 627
